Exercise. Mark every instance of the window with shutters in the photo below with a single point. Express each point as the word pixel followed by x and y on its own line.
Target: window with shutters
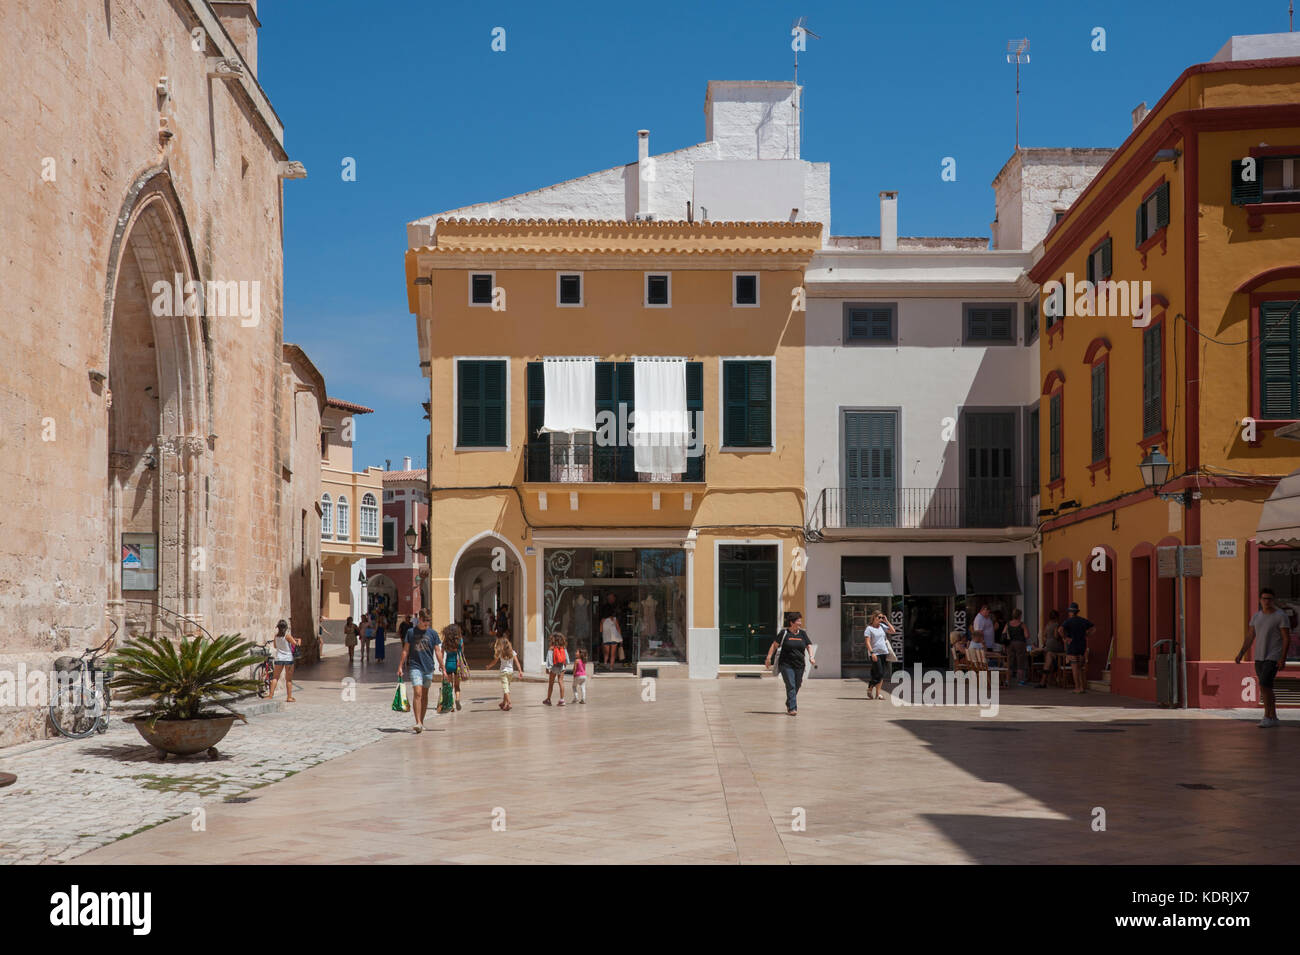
pixel 1031 322
pixel 480 287
pixel 1099 261
pixel 1279 361
pixel 568 289
pixel 746 403
pixel 1152 214
pixel 744 289
pixel 481 403
pixel 987 324
pixel 873 323
pixel 658 290
pixel 1034 445
pixel 1099 412
pixel 1153 411
pixel 1054 437
pixel 1265 179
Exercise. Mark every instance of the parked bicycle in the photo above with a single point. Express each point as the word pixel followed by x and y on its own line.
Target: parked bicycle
pixel 264 671
pixel 79 698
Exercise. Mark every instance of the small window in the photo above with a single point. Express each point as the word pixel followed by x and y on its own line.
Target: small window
pixel 1057 216
pixel 342 522
pixel 1153 213
pixel 1278 178
pixel 369 518
pixel 326 517
pixel 871 324
pixel 657 290
pixel 569 288
pixel 390 537
pixel 480 288
pixel 989 325
pixel 744 288
pixel 1031 322
pixel 1099 262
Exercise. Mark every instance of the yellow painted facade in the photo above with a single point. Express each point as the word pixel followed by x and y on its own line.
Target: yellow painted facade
pixel 344 490
pixel 1207 269
pixel 483 498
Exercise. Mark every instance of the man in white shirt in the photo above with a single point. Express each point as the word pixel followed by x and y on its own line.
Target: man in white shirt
pixel 983 625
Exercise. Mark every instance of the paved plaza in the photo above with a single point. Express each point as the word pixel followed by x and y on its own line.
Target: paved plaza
pixel 706 772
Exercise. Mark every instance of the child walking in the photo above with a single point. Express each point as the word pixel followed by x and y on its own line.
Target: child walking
pixel 579 676
pixel 454 660
pixel 504 652
pixel 556 658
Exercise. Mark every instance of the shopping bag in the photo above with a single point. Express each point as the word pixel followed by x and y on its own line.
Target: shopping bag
pixel 446 699
pixel 400 703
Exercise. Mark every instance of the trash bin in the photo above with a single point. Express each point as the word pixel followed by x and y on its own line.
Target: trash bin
pixel 1166 685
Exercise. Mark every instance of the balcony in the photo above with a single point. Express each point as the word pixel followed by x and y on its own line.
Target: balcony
pixel 924 508
pixel 580 463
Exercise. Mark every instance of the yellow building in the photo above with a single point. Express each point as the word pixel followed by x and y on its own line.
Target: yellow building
pixel 550 346
pixel 350 505
pixel 1194 216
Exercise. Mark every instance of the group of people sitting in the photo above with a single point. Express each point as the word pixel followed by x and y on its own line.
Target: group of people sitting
pixel 1012 641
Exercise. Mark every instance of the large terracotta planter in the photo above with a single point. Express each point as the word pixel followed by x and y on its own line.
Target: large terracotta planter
pixel 184 737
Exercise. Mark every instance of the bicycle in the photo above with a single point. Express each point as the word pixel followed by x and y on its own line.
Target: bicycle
pixel 263 672
pixel 79 699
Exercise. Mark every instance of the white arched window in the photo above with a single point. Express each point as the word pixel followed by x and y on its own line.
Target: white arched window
pixel 344 531
pixel 369 518
pixel 326 516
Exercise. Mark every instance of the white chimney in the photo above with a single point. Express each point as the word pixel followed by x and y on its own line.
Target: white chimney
pixel 889 221
pixel 406 464
pixel 1139 113
pixel 645 173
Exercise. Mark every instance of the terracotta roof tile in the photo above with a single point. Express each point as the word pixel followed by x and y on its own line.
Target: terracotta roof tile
pixel 348 406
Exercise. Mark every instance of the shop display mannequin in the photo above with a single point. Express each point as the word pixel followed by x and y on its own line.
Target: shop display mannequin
pixel 582 625
pixel 649 622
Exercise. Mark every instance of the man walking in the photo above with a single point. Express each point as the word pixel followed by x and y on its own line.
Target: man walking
pixel 1077 630
pixel 420 647
pixel 1270 628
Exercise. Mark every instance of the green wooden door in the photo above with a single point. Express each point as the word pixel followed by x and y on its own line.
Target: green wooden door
pixel 747 603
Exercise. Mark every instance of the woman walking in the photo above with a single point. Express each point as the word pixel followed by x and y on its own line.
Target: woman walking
pixel 1018 648
pixel 878 633
pixel 611 636
pixel 285 644
pixel 367 634
pixel 453 659
pixel 556 658
pixel 350 640
pixel 789 647
pixel 379 638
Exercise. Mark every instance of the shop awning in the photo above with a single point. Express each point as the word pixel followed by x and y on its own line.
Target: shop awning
pixel 928 577
pixel 1280 521
pixel 990 576
pixel 865 577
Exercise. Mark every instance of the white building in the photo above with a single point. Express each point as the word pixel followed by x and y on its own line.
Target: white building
pixel 921 430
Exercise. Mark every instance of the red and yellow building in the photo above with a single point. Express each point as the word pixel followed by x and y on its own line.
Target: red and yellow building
pixel 1207 377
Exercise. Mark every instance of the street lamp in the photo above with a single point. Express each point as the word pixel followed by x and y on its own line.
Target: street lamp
pixel 412 538
pixel 1155 468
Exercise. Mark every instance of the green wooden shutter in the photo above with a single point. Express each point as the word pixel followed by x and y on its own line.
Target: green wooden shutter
pixel 1162 207
pixel 1152 380
pixel 1105 259
pixel 469 404
pixel 1140 236
pixel 538 464
pixel 695 410
pixel 494 404
pixel 1279 356
pixel 1098 411
pixel 735 397
pixel 1090 269
pixel 758 431
pixel 1035 445
pixel 1246 193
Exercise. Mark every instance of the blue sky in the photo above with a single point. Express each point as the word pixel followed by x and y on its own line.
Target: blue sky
pixel 434 119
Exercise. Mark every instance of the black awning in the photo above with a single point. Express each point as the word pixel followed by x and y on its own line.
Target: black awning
pixel 992 576
pixel 865 577
pixel 928 577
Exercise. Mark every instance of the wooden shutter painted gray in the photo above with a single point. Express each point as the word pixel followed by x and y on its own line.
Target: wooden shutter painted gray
pixel 1152 380
pixel 1279 356
pixel 1099 412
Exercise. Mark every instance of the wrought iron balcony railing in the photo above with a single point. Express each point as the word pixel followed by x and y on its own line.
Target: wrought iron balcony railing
pixel 595 464
pixel 924 507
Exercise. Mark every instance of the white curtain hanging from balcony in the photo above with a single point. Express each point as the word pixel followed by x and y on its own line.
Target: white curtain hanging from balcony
pixel 662 428
pixel 570 395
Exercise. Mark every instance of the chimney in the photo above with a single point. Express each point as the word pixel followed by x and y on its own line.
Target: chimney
pixel 889 221
pixel 1139 113
pixel 644 174
pixel 406 463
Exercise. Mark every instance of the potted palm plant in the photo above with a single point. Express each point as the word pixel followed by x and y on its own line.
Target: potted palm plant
pixel 190 683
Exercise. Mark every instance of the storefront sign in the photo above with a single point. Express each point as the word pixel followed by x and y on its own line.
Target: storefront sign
pixel 1227 548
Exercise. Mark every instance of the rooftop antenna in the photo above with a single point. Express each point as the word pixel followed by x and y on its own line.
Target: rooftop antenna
pixel 1290 15
pixel 1017 53
pixel 799 34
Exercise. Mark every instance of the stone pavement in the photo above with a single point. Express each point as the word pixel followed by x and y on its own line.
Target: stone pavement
pixel 711 772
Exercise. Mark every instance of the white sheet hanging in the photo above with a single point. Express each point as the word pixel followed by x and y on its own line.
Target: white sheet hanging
pixel 662 428
pixel 570 394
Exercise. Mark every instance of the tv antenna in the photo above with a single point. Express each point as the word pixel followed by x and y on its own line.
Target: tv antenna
pixel 799 34
pixel 1017 53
